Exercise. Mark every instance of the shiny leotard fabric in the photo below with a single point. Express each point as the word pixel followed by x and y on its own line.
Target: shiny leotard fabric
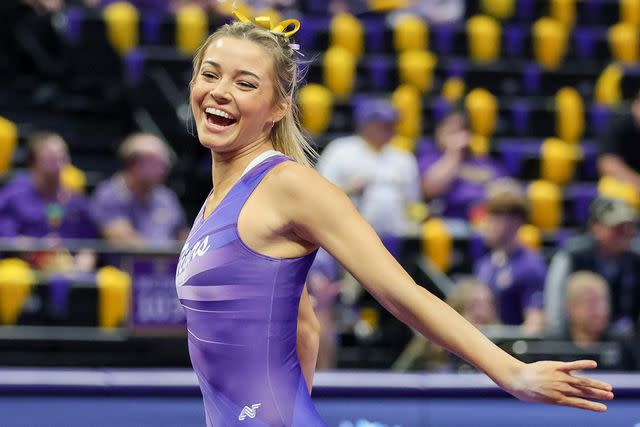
pixel 241 309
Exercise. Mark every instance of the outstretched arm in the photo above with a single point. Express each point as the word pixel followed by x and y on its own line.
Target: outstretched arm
pixel 308 339
pixel 326 216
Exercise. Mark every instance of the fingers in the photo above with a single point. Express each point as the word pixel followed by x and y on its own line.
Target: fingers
pixel 588 383
pixel 588 392
pixel 576 402
pixel 578 365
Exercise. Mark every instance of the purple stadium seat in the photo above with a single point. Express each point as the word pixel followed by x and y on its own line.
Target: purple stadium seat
pixel 514 40
pixel 151 25
pixel 456 68
pixel 134 67
pixel 379 70
pixel 441 107
pixel 75 16
pixel 515 151
pixel 589 168
pixel 59 293
pixel 316 7
pixel 593 11
pixel 599 119
pixel 374 29
pixel 425 147
pixel 306 37
pixel 525 10
pixel 520 111
pixel 531 77
pixel 584 41
pixel 444 38
pixel 582 195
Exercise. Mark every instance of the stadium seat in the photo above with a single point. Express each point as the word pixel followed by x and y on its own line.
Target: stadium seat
pixel 410 33
pixel 558 160
pixel 453 89
pixel 599 117
pixel 630 12
pixel 526 10
pixel 483 38
pixel 501 9
pixel 440 108
pixel 416 68
pixel 482 108
pixel 114 289
pixel 347 31
pixel 316 105
pixel 584 39
pixel 16 283
pixel 8 142
pixel 531 79
pixel 379 71
pixel 191 29
pixel 407 100
pixel 623 42
pixel 545 203
pixel 609 186
pixel 530 236
pixel 73 179
pixel 569 115
pixel 582 195
pixel 563 11
pixel 520 115
pixel 444 38
pixel 437 243
pixel 608 91
pixel 339 67
pixel 514 40
pixel 122 20
pixel 549 42
pixel 375 33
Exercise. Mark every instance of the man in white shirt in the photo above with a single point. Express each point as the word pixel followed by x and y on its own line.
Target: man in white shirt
pixel 381 180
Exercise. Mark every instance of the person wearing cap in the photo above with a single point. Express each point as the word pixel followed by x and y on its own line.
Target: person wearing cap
pixel 134 206
pixel 605 250
pixel 453 180
pixel 514 273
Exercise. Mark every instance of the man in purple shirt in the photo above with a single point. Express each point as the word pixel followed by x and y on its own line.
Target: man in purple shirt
pixel 35 204
pixel 134 206
pixel 453 179
pixel 514 274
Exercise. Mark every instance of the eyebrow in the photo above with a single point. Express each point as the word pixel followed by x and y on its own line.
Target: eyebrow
pixel 216 65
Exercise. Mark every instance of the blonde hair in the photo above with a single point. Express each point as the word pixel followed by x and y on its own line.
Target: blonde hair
pixel 579 281
pixel 286 135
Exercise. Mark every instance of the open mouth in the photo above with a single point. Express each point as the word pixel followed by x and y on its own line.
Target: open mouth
pixel 219 117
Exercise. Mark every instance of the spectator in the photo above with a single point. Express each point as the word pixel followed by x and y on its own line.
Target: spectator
pixel 35 204
pixel 381 179
pixel 434 11
pixel 450 175
pixel 513 273
pixel 605 250
pixel 619 157
pixel 588 308
pixel 134 206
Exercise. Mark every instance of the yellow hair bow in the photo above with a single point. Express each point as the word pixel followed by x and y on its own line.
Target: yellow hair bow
pixel 265 22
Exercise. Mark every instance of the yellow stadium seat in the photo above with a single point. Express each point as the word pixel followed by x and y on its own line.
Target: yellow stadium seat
pixel 73 179
pixel 482 108
pixel 121 19
pixel 437 243
pixel 191 29
pixel 545 205
pixel 316 107
pixel 453 89
pixel 16 282
pixel 483 37
pixel 403 143
pixel 339 68
pixel 479 145
pixel 623 42
pixel 411 33
pixel 530 236
pixel 550 39
pixel 417 211
pixel 630 12
pixel 388 5
pixel 558 160
pixel 416 68
pixel 609 186
pixel 8 142
pixel 408 102
pixel 569 114
pixel 501 9
pixel 114 291
pixel 608 91
pixel 347 32
pixel 563 11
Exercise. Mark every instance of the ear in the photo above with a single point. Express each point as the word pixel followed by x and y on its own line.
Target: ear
pixel 280 109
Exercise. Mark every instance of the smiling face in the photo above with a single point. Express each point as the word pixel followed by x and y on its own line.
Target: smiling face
pixel 233 95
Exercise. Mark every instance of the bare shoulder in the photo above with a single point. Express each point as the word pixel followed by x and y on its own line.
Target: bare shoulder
pixel 292 179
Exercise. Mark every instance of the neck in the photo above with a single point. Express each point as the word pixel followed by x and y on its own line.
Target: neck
pixel 46 186
pixel 508 246
pixel 370 142
pixel 606 253
pixel 583 338
pixel 227 167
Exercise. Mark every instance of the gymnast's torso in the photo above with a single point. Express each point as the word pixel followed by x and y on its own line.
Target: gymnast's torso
pixel 242 308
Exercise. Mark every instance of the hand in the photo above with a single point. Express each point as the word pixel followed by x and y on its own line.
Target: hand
pixel 554 383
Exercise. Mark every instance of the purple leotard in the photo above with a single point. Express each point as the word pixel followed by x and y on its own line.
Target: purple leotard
pixel 242 309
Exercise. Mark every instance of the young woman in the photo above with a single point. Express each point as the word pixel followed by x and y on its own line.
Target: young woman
pixel 243 267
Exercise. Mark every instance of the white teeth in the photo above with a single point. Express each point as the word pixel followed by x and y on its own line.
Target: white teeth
pixel 211 110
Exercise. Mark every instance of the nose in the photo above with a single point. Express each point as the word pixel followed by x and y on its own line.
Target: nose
pixel 220 92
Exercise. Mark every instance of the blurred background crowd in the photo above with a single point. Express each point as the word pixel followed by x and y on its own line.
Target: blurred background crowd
pixel 491 144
